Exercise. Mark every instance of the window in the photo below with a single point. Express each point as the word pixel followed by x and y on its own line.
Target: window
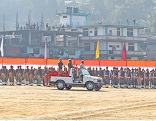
pixel 129 32
pixel 95 32
pixel 95 45
pixel 117 46
pixel 130 46
pixel 85 31
pixel 110 32
pixel 64 16
pixel 23 50
pixel 73 30
pixel 128 58
pixel 118 31
pixel 36 50
pixel 75 10
pixel 86 46
pixel 110 51
pixel 110 45
pixel 112 58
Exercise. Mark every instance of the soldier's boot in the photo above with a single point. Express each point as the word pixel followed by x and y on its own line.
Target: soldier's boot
pixel 11 83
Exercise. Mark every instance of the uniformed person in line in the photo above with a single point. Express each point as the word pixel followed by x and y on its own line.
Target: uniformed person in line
pixel 89 70
pixel 23 75
pixel 31 76
pixel 154 80
pixel 35 76
pixel 11 75
pixel 115 78
pixel 107 77
pixel 122 78
pixel 101 73
pixel 147 78
pixel 134 82
pixel 129 78
pixel 39 76
pixel 151 78
pixel 27 75
pixel 16 74
pixel 96 72
pixel 139 78
pixel 93 72
pixel 143 79
pixel 19 76
pixel 44 74
pixel 4 76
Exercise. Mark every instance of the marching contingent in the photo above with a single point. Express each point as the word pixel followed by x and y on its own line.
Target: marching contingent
pixel 116 77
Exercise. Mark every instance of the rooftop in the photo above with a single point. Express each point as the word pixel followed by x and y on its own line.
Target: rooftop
pixel 137 25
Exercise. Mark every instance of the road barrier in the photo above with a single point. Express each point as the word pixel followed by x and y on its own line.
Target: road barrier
pixel 95 63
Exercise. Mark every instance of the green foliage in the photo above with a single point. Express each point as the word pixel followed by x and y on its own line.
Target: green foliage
pixel 104 10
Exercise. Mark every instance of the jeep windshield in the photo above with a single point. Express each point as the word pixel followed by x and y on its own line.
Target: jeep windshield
pixel 85 72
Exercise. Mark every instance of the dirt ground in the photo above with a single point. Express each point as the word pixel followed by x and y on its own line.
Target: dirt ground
pixel 47 103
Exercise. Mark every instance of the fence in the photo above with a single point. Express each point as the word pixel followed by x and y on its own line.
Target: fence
pixel 95 63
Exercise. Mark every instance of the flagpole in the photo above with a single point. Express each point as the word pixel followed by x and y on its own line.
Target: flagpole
pixel 45 52
pixel 2 51
pixel 2 62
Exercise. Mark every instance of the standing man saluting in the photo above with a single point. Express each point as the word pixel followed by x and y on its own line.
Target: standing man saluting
pixel 82 65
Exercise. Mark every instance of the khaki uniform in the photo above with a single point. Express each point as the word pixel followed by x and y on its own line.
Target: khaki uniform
pixel 122 79
pixel 129 78
pixel 11 76
pixel 147 79
pixel 4 76
pixel 44 74
pixel 115 78
pixel 27 76
pixel 39 76
pixel 107 78
pixel 139 78
pixel 19 76
pixel 31 76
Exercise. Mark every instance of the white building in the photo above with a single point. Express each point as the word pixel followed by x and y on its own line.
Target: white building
pixel 111 36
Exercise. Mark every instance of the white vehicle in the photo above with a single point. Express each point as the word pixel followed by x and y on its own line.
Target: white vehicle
pixel 84 80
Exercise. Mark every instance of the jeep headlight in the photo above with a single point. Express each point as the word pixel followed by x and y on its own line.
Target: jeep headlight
pixel 98 80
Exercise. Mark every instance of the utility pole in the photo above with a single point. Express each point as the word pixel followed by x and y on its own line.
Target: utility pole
pixel 17 24
pixel 3 22
pixel 29 18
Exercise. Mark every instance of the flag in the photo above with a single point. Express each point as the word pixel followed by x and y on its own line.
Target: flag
pixel 45 50
pixel 2 51
pixel 124 55
pixel 97 55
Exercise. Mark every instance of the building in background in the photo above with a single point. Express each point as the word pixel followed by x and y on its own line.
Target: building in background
pixel 111 36
pixel 75 37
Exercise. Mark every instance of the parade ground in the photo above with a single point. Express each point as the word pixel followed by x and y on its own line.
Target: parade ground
pixel 47 103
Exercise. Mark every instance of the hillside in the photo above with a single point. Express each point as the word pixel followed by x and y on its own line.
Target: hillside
pixel 103 10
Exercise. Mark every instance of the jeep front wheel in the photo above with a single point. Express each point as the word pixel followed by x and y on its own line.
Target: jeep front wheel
pixel 90 86
pixel 68 87
pixel 97 87
pixel 60 85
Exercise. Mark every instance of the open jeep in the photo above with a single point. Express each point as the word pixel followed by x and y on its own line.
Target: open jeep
pixel 67 81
